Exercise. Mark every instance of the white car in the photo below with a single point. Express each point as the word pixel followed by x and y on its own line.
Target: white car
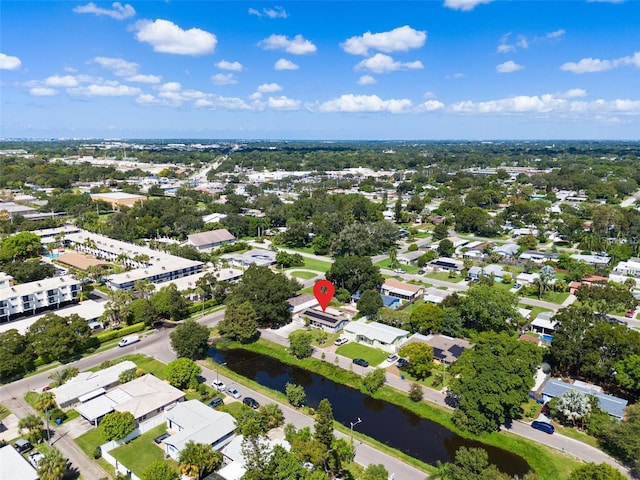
pixel 218 385
pixel 341 341
pixel 233 392
pixel 392 358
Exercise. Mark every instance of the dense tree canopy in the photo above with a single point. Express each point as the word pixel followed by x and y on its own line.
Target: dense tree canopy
pixel 190 339
pixel 182 373
pixel 16 355
pixel 354 274
pixel 489 309
pixel 239 322
pixel 117 425
pixel 57 338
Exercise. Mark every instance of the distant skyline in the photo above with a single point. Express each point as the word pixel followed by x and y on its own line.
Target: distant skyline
pixel 334 70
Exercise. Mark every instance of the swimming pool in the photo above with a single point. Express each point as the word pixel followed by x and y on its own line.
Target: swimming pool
pixel 546 338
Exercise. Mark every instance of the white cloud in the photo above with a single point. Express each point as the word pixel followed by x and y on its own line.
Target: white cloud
pixel 107 90
pixel 522 41
pixel 364 103
pixel 269 88
pixel 298 45
pixel 555 34
pixel 232 66
pixel 367 80
pixel 430 106
pixel 508 67
pixel 139 78
pixel 381 63
pixel 43 91
pixel 167 37
pixel 506 48
pixel 588 65
pixel 65 81
pixel 284 64
pixel 458 75
pixel 283 103
pixel 464 5
pixel 224 79
pixel 170 87
pixel 275 12
pixel 118 11
pixel 575 93
pixel 400 39
pixel 9 62
pixel 118 66
pixel 146 99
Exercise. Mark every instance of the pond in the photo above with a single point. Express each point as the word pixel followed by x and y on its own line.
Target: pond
pixel 389 424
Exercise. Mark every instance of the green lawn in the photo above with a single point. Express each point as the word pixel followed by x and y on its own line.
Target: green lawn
pixel 141 452
pixel 356 350
pixel 444 276
pixel 148 364
pixel 535 311
pixel 304 275
pixel 88 443
pixel 4 412
pixel 553 297
pixel 386 263
pixel 317 265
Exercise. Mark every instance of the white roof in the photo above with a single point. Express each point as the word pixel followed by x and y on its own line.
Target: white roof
pixel 14 466
pixel 199 423
pixel 376 331
pixel 96 408
pixel 544 323
pixel 87 382
pixel 38 286
pixel 232 471
pixel 148 394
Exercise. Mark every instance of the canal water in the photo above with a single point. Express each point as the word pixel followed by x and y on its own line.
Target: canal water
pixel 389 424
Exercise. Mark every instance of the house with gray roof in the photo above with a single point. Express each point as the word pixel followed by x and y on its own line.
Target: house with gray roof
pixel 614 406
pixel 194 421
pixel 206 241
pixel 374 334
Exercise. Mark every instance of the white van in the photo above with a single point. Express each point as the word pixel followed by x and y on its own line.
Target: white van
pixel 129 340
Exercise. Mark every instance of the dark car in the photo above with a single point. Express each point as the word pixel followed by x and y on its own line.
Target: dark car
pixel 401 362
pixel 251 402
pixel 361 361
pixel 543 426
pixel 23 445
pixel 216 402
pixel 158 440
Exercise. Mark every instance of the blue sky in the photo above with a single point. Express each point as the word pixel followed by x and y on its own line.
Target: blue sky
pixel 427 70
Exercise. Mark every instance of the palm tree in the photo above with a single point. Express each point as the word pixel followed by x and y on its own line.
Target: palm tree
pixel 574 405
pixel 45 401
pixel 143 288
pixel 33 424
pixel 197 459
pixel 53 466
pixel 393 256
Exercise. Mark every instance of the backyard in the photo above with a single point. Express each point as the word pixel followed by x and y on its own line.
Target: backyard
pixel 356 350
pixel 142 451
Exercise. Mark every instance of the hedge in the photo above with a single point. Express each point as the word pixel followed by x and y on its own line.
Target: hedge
pixel 122 332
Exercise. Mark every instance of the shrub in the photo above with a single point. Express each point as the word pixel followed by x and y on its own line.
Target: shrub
pixel 123 332
pixel 415 392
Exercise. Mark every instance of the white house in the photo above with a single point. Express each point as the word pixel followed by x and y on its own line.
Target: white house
pixel 14 466
pixel 194 421
pixel 301 302
pixel 401 290
pixel 234 461
pixel 544 323
pixel 375 334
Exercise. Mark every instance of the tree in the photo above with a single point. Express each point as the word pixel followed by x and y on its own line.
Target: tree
pixel 160 470
pixel 295 394
pixel 415 392
pixel 168 302
pixel 267 292
pixel 420 358
pixel 486 308
pixel 355 274
pixel 593 471
pixel 369 303
pixel 373 380
pixel 198 459
pixel 440 232
pixel 117 425
pixel 53 466
pixel 45 401
pixel 492 381
pixel 127 375
pixel 323 424
pixel 393 258
pixel 300 344
pixel 573 405
pixel 628 373
pixel 272 415
pixel 623 437
pixel 469 464
pixel 33 424
pixel 142 310
pixel 255 451
pixel 117 309
pixel 182 373
pixel 426 318
pixel 16 355
pixel 58 338
pixel 284 465
pixel 190 339
pixel 240 322
pixel 446 248
pixel 20 246
pixel 375 472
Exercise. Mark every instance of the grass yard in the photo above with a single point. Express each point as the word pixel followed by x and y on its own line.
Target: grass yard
pixel 314 264
pixel 409 309
pixel 355 350
pixel 552 297
pixel 88 444
pixel 141 452
pixel 535 311
pixel 148 364
pixel 304 275
pixel 4 412
pixel 386 263
pixel 444 276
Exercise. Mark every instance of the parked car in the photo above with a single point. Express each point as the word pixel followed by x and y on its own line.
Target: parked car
pixel 543 426
pixel 401 362
pixel 392 358
pixel 129 340
pixel 216 402
pixel 399 270
pixel 218 385
pixel 421 272
pixel 251 402
pixel 341 341
pixel 158 440
pixel 361 361
pixel 233 392
pixel 23 445
pixel 630 313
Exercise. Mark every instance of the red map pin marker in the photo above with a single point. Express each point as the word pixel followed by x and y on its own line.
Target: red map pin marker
pixel 323 291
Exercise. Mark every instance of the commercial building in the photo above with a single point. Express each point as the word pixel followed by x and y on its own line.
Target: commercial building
pixel 206 241
pixel 118 199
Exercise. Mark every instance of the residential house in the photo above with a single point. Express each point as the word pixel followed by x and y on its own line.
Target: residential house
pixel 508 250
pixel 14 466
pixel 446 264
pixel 194 421
pixel 544 323
pixel 538 257
pixel 330 320
pixel 474 273
pixel 494 271
pixel 445 349
pixel 301 302
pixel 234 460
pixel 527 278
pixel 401 290
pixel 435 295
pixel 375 334
pixel 207 241
pixel 261 258
pixel 597 260
pixel 410 258
pixel 614 406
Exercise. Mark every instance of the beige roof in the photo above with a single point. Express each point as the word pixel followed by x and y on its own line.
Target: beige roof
pixel 80 260
pixel 148 394
pixel 213 236
pixel 393 283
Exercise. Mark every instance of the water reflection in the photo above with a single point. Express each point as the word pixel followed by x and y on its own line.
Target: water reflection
pixel 389 424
